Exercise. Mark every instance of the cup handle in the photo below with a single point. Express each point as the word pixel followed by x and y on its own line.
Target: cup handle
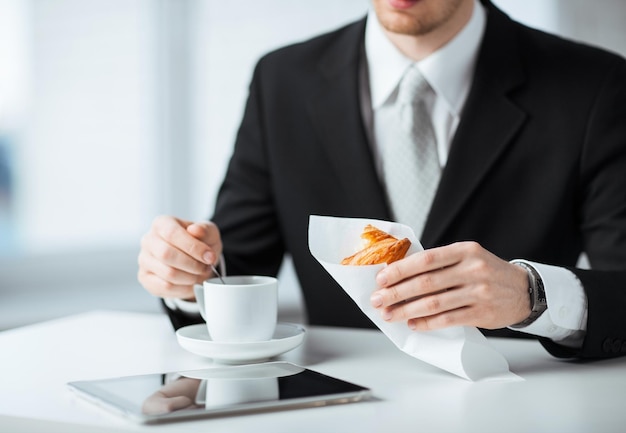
pixel 199 292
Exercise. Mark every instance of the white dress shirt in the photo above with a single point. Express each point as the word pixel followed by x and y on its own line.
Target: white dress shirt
pixel 449 72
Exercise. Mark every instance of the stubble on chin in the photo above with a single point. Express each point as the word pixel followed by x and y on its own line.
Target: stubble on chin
pixel 407 25
pixel 413 24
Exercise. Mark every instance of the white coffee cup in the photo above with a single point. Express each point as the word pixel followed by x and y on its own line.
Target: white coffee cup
pixel 223 392
pixel 244 309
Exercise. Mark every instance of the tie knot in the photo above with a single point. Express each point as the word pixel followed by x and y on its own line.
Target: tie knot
pixel 413 86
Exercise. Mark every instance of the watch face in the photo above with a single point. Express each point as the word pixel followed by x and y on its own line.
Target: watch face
pixel 541 294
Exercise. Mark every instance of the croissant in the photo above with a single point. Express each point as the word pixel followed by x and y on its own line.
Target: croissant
pixel 380 247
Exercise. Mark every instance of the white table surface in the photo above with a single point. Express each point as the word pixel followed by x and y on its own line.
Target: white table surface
pixel 555 396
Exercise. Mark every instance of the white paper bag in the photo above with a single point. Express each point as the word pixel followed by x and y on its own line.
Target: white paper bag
pixel 463 351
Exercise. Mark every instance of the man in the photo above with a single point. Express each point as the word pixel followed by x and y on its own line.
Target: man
pixel 531 144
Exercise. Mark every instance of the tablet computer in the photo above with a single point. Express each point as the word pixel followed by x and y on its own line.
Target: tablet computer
pixel 218 391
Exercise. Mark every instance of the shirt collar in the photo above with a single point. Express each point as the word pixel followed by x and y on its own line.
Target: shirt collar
pixel 448 70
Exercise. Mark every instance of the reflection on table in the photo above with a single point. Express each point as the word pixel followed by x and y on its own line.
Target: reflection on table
pixel 555 395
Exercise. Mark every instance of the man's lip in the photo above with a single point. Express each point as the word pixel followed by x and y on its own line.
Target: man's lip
pixel 402 4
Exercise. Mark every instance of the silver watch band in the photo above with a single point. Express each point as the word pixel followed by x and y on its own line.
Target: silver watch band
pixel 538 303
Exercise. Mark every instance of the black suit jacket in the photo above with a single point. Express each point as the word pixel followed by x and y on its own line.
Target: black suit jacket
pixel 536 170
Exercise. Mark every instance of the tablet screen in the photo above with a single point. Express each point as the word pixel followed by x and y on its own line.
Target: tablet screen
pixel 218 391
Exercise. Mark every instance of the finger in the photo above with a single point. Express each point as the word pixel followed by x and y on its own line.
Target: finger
pixel 197 230
pixel 169 255
pixel 169 273
pixel 178 402
pixel 208 233
pixel 175 233
pixel 418 286
pixel 162 288
pixel 418 263
pixel 459 317
pixel 426 306
pixel 160 403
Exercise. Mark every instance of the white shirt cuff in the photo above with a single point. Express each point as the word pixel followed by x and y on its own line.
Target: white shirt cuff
pixel 565 320
pixel 189 307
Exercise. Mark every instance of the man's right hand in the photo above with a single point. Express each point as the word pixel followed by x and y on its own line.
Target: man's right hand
pixel 176 254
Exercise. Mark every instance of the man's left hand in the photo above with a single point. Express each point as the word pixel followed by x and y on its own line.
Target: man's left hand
pixel 460 284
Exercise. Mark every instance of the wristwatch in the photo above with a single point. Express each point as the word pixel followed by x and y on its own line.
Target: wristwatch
pixel 538 303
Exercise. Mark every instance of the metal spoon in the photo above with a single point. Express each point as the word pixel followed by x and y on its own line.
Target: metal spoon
pixel 217 273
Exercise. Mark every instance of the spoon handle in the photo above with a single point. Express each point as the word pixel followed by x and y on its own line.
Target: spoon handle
pixel 217 273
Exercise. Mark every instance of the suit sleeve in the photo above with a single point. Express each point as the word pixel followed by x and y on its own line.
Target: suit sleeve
pixel 602 215
pixel 245 210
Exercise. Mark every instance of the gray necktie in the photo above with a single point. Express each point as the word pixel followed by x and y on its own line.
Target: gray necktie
pixel 410 162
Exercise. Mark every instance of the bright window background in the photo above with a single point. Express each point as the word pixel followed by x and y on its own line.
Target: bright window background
pixel 81 127
pixel 114 111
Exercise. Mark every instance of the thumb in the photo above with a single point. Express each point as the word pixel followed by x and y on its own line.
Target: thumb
pixel 208 233
pixel 197 230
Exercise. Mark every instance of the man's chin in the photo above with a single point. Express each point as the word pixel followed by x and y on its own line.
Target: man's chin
pixel 403 24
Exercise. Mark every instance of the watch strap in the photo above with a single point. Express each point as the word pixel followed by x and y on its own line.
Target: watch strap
pixel 537 293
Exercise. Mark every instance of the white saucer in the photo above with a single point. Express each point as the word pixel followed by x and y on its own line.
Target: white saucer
pixel 196 339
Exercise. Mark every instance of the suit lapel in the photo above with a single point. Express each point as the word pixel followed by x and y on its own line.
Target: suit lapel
pixel 489 122
pixel 336 112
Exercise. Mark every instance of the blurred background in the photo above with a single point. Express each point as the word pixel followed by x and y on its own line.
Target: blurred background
pixel 115 111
